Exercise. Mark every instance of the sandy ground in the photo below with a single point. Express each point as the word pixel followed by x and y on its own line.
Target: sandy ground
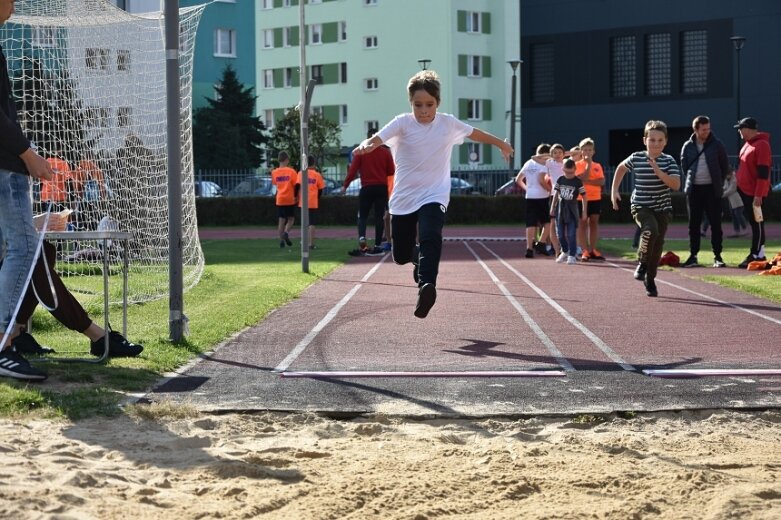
pixel 676 465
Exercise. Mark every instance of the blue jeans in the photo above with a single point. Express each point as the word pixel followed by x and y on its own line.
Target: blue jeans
pixel 20 237
pixel 567 233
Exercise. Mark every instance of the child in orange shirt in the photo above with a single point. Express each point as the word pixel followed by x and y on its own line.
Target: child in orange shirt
pixel 284 178
pixel 593 178
pixel 316 185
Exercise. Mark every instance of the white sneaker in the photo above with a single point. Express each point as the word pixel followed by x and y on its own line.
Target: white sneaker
pixel 561 258
pixel 571 260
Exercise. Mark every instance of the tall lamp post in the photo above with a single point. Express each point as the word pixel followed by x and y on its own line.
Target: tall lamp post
pixel 514 90
pixel 424 63
pixel 738 42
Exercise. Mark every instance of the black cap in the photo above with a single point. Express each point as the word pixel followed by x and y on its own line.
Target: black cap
pixel 747 122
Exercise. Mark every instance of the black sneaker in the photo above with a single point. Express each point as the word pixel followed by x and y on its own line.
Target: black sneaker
pixel 415 273
pixel 750 258
pixel 650 288
pixel 718 262
pixel 287 239
pixel 427 296
pixel 640 272
pixel 690 262
pixel 529 253
pixel 118 346
pixel 540 247
pixel 13 365
pixel 24 343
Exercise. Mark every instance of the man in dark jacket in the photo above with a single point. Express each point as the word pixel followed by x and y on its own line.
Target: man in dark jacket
pixel 18 162
pixel 704 162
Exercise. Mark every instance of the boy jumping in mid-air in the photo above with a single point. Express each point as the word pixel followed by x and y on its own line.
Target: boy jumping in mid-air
pixel 422 142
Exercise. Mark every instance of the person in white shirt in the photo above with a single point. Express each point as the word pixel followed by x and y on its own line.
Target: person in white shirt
pixel 533 178
pixel 422 142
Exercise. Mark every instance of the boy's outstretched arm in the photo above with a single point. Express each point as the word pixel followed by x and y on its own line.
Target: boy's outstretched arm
pixel 481 136
pixel 368 145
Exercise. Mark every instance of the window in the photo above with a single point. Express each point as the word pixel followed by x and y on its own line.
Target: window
pixel 369 2
pixel 474 109
pixel 288 77
pixel 658 66
pixel 543 69
pixel 694 62
pixel 370 42
pixel 317 74
pixel 225 43
pixel 287 36
pixel 97 59
pixel 623 67
pixel 268 78
pixel 316 33
pixel 318 110
pixel 342 114
pixel 44 37
pixel 372 126
pixel 268 4
pixel 285 3
pixel 474 68
pixel 342 31
pixel 343 72
pixel 268 38
pixel 370 84
pixel 268 117
pixel 473 22
pixel 123 60
pixel 217 95
pixel 315 1
pixel 123 116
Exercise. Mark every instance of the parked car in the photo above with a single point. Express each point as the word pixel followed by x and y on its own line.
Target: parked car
pixel 354 188
pixel 254 186
pixel 776 187
pixel 509 188
pixel 207 189
pixel 461 187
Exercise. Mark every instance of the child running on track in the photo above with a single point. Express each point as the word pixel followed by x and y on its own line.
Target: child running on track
pixel 422 142
pixel 656 176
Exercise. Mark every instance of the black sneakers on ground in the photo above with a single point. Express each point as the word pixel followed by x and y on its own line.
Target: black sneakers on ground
pixel 529 253
pixel 415 273
pixel 640 272
pixel 650 288
pixel 541 248
pixel 13 365
pixel 286 237
pixel 427 296
pixel 718 262
pixel 25 344
pixel 750 258
pixel 118 346
pixel 690 262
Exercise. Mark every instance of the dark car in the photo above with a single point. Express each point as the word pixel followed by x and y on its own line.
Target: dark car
pixel 462 187
pixel 254 186
pixel 509 188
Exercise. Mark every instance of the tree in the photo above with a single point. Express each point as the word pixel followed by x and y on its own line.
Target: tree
pixel 226 134
pixel 324 137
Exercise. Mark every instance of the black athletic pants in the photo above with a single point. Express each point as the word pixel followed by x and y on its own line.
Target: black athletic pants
pixel 429 221
pixel 377 196
pixel 702 201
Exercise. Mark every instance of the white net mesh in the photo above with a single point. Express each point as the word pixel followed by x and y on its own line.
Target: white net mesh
pixel 89 80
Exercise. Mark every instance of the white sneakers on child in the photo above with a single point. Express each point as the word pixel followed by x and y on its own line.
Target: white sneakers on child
pixel 561 258
pixel 571 260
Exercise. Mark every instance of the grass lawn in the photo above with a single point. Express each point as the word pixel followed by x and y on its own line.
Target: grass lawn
pixel 243 281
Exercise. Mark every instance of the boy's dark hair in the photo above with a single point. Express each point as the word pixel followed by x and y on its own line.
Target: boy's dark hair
pixel 557 146
pixel 310 161
pixel 543 148
pixel 700 120
pixel 655 125
pixel 427 80
pixel 283 156
pixel 569 164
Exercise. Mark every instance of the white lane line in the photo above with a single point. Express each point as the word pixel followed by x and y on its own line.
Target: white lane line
pixel 554 351
pixel 601 345
pixel 304 343
pixel 703 372
pixel 346 374
pixel 711 298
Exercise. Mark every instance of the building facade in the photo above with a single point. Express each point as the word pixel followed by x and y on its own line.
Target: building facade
pixel 602 68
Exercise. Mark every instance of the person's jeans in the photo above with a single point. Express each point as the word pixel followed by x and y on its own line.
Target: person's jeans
pixel 429 221
pixel 20 236
pixel 567 232
pixel 653 227
pixel 702 201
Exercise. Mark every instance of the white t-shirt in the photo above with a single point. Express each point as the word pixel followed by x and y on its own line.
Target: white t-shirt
pixel 422 155
pixel 555 170
pixel 535 176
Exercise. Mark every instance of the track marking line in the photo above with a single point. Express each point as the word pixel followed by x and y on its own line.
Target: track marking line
pixel 702 372
pixel 554 351
pixel 413 374
pixel 312 334
pixel 705 296
pixel 601 345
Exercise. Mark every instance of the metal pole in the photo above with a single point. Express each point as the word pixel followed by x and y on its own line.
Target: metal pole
pixel 737 117
pixel 512 121
pixel 176 317
pixel 304 114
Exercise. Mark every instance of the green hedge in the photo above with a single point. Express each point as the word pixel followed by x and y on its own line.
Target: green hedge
pixel 464 209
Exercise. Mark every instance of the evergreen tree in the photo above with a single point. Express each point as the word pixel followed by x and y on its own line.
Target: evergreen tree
pixel 226 134
pixel 324 138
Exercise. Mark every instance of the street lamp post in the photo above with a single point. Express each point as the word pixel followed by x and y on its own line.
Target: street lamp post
pixel 738 42
pixel 424 63
pixel 514 88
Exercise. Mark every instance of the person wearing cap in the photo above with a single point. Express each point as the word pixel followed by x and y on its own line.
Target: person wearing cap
pixel 753 177
pixel 705 164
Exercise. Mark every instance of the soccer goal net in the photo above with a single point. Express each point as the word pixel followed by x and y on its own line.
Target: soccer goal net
pixel 89 81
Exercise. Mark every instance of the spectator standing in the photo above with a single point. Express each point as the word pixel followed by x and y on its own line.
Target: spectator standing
pixel 533 179
pixel 18 163
pixel 374 170
pixel 754 182
pixel 316 185
pixel 739 224
pixel 422 144
pixel 593 177
pixel 656 176
pixel 284 178
pixel 704 162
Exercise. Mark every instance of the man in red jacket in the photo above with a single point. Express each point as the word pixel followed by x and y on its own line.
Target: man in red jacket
pixel 374 170
pixel 754 182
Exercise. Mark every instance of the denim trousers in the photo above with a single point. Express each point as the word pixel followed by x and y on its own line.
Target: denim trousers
pixel 20 238
pixel 428 222
pixel 567 233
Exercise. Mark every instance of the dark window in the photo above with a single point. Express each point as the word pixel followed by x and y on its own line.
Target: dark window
pixel 542 74
pixel 658 67
pixel 623 66
pixel 694 62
